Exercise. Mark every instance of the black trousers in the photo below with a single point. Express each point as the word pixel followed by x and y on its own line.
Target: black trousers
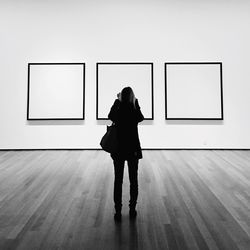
pixel 133 178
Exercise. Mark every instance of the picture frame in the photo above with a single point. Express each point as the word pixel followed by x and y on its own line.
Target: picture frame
pixel 193 91
pixel 111 77
pixel 56 91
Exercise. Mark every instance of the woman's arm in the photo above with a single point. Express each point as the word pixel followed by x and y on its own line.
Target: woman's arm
pixel 113 111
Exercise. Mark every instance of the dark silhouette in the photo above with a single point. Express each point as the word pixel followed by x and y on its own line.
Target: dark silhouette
pixel 126 115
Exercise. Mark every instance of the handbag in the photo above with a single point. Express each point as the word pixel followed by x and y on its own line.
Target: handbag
pixel 109 141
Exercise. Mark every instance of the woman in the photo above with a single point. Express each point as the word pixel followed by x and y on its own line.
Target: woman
pixel 126 115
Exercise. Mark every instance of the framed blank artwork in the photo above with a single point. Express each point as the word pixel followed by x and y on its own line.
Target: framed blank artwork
pixel 56 91
pixel 111 78
pixel 193 91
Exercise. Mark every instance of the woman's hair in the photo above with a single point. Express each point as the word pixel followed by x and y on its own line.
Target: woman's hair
pixel 127 95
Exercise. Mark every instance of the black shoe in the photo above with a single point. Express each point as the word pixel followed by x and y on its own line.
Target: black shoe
pixel 132 213
pixel 118 216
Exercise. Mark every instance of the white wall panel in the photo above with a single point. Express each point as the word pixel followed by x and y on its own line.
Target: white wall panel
pixel 94 31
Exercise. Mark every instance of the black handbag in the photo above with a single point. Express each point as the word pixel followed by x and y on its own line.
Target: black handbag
pixel 109 141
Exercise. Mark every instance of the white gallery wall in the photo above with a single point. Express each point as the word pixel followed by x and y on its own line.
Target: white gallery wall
pixel 92 31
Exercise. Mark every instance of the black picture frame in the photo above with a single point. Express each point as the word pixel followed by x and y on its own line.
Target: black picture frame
pixel 126 63
pixel 193 118
pixel 28 92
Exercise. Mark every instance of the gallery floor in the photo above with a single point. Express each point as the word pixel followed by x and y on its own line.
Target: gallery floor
pixel 188 199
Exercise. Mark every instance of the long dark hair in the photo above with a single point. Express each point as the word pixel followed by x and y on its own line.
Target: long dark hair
pixel 127 95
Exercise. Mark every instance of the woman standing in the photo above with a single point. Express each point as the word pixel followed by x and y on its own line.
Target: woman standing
pixel 126 115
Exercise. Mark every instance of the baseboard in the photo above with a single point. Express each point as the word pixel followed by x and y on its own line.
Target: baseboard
pixel 36 149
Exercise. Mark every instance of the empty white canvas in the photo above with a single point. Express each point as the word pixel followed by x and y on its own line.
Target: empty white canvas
pixel 56 91
pixel 112 78
pixel 193 91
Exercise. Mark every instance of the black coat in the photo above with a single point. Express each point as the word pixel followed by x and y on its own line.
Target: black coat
pixel 126 118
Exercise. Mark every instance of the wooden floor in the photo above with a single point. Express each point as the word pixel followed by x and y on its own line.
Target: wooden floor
pixel 63 200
